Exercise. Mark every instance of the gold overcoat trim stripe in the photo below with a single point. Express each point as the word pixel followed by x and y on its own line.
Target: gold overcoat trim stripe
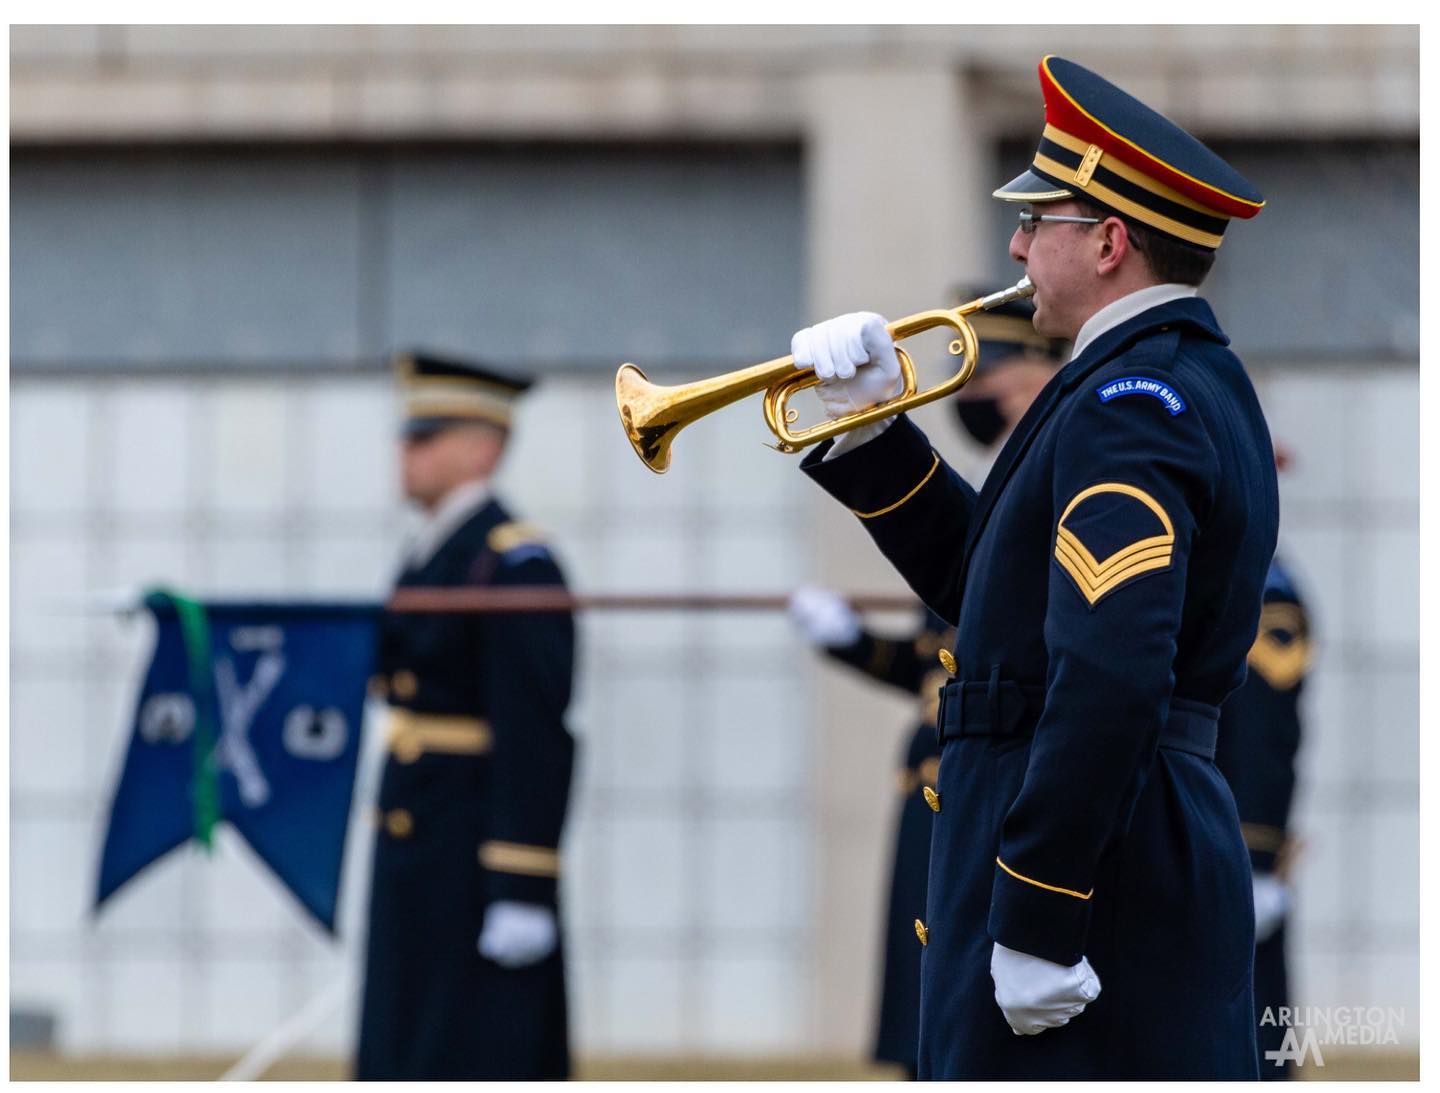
pixel 1042 884
pixel 528 861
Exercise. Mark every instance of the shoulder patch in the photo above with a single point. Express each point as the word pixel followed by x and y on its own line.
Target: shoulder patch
pixel 517 542
pixel 1110 535
pixel 1281 653
pixel 1142 385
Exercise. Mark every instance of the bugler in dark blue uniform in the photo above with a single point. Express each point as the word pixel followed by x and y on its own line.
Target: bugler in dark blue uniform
pixel 1260 735
pixel 472 803
pixel 1106 584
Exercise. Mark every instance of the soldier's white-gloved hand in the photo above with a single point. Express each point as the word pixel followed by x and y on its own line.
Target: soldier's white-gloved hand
pixel 824 616
pixel 1037 994
pixel 1272 902
pixel 854 357
pixel 516 934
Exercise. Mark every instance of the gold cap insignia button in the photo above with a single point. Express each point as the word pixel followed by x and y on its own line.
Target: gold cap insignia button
pixel 922 933
pixel 947 661
pixel 932 799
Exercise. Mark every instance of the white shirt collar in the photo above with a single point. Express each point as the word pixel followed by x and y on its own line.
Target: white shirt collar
pixel 454 509
pixel 1127 307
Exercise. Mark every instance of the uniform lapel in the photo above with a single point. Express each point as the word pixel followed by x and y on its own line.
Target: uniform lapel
pixel 439 562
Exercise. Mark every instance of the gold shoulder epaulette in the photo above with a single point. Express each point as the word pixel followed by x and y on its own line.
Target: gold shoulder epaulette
pixel 507 537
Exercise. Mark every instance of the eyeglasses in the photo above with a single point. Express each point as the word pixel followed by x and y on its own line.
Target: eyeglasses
pixel 1029 221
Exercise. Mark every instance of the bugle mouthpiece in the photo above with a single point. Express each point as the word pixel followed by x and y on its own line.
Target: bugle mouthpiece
pixel 1018 291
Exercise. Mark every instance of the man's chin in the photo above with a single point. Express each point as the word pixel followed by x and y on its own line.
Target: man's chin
pixel 1040 320
pixel 416 496
pixel 1043 321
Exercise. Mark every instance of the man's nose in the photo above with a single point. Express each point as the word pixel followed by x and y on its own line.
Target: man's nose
pixel 1019 245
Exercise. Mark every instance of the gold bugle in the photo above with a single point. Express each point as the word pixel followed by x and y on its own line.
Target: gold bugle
pixel 652 414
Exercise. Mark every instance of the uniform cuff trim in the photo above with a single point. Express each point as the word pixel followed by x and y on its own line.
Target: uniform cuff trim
pixel 891 508
pixel 1041 884
pixel 527 861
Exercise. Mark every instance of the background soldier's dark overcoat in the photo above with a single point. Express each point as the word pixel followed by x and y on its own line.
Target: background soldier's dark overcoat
pixel 909 664
pixel 472 803
pixel 1260 733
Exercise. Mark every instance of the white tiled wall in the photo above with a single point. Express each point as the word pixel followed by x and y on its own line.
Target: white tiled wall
pixel 690 850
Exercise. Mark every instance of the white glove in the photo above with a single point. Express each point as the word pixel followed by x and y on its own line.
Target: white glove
pixel 1036 994
pixel 1272 902
pixel 517 934
pixel 824 616
pixel 839 350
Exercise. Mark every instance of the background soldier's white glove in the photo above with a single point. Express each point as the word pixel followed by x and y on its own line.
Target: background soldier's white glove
pixel 1036 994
pixel 854 357
pixel 517 934
pixel 824 616
pixel 1272 901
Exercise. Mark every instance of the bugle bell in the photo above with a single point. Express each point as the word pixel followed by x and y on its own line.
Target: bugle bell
pixel 652 414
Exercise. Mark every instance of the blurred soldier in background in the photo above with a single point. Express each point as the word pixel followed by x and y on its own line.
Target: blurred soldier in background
pixel 1015 364
pixel 1105 584
pixel 464 972
pixel 1259 738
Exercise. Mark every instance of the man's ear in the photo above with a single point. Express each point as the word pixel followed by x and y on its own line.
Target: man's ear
pixel 1114 244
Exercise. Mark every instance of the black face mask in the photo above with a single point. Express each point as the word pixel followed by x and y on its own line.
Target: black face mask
pixel 981 418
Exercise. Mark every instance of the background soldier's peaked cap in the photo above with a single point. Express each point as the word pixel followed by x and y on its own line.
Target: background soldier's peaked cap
pixel 1107 147
pixel 441 390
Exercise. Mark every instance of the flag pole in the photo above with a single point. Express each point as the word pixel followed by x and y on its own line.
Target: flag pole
pixel 547 598
pixel 524 599
pixel 275 1046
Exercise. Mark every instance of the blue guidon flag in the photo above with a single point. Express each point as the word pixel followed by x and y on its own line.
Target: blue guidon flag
pixel 250 714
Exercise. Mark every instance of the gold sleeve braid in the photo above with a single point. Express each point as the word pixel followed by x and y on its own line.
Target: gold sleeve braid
pixel 527 861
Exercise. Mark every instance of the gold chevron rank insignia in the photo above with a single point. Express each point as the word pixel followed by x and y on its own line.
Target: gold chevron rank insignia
pixel 1281 653
pixel 1110 535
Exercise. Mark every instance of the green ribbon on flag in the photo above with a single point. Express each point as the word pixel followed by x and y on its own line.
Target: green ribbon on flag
pixel 195 634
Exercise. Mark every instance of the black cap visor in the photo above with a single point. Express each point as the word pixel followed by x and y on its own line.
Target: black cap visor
pixel 1030 188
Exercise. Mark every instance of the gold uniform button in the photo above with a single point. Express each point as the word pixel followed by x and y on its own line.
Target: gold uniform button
pixel 407 748
pixel 932 799
pixel 404 684
pixel 399 823
pixel 947 661
pixel 922 933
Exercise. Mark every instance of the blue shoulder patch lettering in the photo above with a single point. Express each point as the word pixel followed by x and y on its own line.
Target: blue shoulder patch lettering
pixel 1142 385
